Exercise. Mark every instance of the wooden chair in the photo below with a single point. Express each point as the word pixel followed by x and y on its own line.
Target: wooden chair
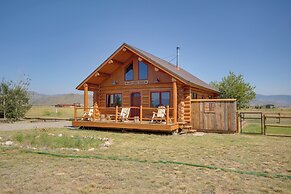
pixel 88 116
pixel 160 115
pixel 124 114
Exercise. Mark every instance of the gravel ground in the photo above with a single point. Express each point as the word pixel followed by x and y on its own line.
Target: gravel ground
pixel 22 125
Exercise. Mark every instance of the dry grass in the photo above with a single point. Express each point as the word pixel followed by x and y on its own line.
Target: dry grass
pixel 23 172
pixel 50 111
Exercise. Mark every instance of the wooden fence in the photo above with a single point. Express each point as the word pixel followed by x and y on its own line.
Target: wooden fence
pixel 214 115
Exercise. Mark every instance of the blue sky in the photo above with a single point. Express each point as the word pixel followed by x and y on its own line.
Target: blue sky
pixel 60 42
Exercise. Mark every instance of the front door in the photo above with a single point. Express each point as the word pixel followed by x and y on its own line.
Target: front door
pixel 135 102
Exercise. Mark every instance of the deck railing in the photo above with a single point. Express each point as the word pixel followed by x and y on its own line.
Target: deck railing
pixel 113 112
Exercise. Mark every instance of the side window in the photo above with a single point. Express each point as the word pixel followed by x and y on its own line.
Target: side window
pixel 209 107
pixel 113 100
pixel 193 95
pixel 142 71
pixel 129 73
pixel 160 99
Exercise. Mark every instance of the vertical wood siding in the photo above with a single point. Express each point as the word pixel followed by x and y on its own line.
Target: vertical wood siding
pixel 214 116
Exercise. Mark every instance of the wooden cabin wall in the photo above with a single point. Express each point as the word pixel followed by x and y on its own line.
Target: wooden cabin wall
pixel 158 80
pixel 126 91
pixel 153 75
pixel 187 101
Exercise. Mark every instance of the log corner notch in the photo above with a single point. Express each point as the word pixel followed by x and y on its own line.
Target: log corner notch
pixel 175 100
pixel 86 97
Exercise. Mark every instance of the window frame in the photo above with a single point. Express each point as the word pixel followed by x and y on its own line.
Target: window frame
pixel 194 94
pixel 114 99
pixel 160 98
pixel 139 70
pixel 131 63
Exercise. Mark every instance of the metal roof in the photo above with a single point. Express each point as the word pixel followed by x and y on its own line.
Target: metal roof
pixel 181 73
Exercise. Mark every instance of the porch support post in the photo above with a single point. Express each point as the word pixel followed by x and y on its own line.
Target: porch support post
pixel 175 100
pixel 140 114
pixel 86 98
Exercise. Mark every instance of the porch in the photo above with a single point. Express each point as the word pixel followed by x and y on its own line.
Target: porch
pixel 140 119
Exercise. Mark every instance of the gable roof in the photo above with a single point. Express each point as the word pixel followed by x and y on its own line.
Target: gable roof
pixel 181 74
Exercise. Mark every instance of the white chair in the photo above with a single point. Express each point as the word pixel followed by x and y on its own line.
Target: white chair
pixel 124 114
pixel 160 115
pixel 88 115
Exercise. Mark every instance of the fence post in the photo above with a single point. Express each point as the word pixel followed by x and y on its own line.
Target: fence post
pixel 240 120
pixel 237 123
pixel 265 119
pixel 262 127
pixel 140 114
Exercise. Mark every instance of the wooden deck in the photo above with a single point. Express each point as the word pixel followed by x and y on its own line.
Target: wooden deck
pixel 129 125
pixel 109 120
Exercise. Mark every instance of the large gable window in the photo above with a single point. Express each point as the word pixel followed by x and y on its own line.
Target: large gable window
pixel 113 100
pixel 142 71
pixel 129 73
pixel 160 99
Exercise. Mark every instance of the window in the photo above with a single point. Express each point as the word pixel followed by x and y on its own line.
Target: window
pixel 209 107
pixel 160 99
pixel 113 100
pixel 129 73
pixel 142 71
pixel 193 95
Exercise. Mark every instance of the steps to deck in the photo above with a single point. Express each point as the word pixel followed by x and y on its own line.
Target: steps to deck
pixel 184 127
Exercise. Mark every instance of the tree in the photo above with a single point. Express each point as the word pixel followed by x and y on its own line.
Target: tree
pixel 14 99
pixel 234 86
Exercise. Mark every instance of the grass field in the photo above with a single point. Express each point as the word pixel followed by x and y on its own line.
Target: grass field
pixel 254 126
pixel 129 164
pixel 50 111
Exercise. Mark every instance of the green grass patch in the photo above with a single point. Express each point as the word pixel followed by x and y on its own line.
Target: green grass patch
pixel 49 140
pixel 252 128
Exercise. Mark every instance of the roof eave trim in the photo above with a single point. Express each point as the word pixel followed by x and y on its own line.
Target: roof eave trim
pixel 79 87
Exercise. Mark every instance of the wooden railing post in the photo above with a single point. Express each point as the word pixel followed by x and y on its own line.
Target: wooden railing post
pixel 94 113
pixel 75 113
pixel 140 114
pixel 168 115
pixel 116 113
pixel 175 100
pixel 86 98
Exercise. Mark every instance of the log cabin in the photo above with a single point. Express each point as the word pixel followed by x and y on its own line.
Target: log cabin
pixel 138 80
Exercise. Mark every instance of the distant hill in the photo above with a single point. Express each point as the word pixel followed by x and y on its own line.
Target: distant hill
pixel 44 99
pixel 277 100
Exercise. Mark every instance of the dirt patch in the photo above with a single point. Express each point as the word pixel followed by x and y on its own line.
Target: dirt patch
pixel 24 125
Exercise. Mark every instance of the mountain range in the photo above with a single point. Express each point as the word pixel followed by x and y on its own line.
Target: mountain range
pixel 277 100
pixel 44 99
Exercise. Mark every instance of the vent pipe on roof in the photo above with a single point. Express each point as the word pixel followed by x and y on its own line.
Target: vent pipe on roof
pixel 177 58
